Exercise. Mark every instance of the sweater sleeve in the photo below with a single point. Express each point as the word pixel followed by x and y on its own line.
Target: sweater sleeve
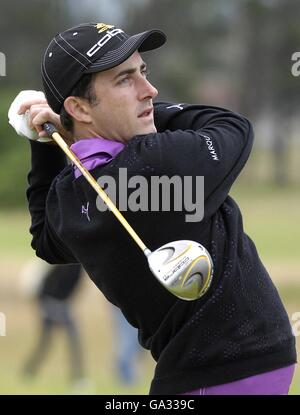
pixel 47 162
pixel 197 140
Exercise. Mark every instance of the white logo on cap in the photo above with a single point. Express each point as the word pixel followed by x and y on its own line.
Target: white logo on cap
pixel 109 34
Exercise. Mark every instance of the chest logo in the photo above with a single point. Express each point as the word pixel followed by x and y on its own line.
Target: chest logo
pixel 85 211
pixel 178 106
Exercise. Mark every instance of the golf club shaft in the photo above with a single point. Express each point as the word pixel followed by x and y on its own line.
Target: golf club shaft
pixel 52 132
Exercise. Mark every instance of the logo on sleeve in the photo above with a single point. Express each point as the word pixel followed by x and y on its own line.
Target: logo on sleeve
pixel 210 147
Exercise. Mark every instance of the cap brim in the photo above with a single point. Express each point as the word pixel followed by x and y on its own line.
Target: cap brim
pixel 152 39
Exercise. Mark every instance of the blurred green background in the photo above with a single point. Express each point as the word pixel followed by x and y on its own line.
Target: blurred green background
pixel 235 54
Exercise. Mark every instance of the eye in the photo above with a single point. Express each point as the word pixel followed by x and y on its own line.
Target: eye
pixel 123 81
pixel 145 72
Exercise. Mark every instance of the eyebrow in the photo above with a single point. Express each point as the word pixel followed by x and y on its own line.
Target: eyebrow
pixel 129 71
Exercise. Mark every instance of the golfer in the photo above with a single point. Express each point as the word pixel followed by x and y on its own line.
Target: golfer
pixel 236 338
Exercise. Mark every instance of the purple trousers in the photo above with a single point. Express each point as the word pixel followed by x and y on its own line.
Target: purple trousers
pixel 276 382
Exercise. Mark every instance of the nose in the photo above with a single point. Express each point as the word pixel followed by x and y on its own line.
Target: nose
pixel 147 90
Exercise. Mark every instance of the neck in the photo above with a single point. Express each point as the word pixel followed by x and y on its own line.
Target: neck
pixel 82 132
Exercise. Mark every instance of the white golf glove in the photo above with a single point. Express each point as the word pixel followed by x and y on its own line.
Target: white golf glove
pixel 20 122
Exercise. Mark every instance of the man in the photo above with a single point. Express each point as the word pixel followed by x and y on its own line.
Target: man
pixel 237 337
pixel 58 284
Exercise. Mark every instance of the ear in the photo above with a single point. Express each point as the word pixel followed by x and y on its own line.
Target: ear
pixel 78 108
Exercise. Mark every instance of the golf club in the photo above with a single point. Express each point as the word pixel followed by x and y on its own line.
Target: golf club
pixel 185 268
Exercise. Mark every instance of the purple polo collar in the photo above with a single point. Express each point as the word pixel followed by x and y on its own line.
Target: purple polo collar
pixel 93 152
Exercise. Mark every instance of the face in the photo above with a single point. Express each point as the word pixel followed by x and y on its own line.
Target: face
pixel 124 105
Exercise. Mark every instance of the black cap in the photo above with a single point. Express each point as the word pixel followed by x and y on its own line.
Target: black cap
pixel 87 48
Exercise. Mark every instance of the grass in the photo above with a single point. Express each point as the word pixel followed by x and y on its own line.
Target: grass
pixel 15 237
pixel 270 218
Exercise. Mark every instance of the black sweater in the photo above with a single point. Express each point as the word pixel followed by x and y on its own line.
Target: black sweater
pixel 60 282
pixel 239 327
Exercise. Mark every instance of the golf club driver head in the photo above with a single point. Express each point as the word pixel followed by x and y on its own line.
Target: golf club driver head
pixel 185 268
